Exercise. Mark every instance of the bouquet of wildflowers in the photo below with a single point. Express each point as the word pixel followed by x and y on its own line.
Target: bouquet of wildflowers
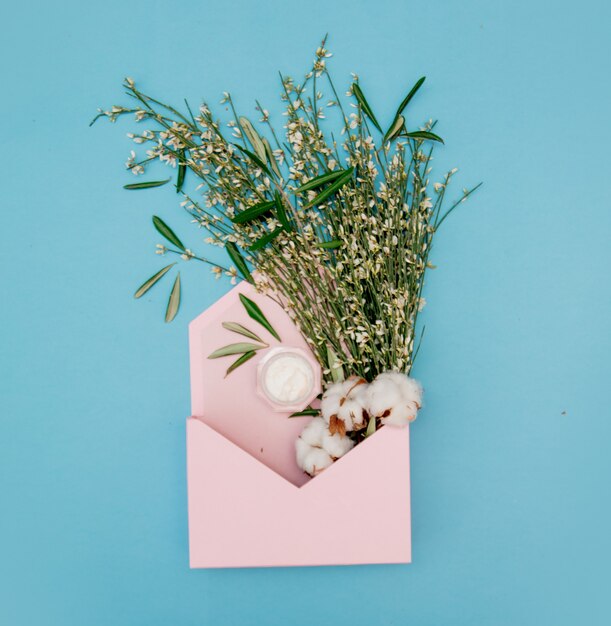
pixel 332 215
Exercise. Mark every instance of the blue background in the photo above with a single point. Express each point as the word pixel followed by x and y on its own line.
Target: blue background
pixel 510 457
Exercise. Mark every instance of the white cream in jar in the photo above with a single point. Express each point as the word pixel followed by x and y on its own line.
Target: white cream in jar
pixel 286 377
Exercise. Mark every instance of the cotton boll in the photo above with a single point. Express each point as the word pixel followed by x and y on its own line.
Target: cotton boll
pixel 353 410
pixel 395 398
pixel 401 414
pixel 315 461
pixel 329 405
pixel 343 405
pixel 382 394
pixel 302 449
pixel 314 431
pixel 336 445
pixel 412 391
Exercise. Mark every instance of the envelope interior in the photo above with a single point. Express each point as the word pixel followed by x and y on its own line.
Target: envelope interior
pixel 230 404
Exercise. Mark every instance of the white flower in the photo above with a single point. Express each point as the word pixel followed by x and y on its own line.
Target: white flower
pixel 394 398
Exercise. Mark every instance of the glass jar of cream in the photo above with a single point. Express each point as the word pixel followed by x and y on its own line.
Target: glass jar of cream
pixel 288 378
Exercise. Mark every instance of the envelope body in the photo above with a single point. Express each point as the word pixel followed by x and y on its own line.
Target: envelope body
pixel 244 514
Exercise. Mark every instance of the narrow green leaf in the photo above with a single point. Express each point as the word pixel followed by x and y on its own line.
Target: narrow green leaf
pixel 330 245
pixel 358 94
pixel 253 212
pixel 331 189
pixel 254 158
pixel 306 413
pixel 253 136
pixel 240 361
pixel 281 213
pixel 337 371
pixel 235 348
pixel 256 314
pixel 147 185
pixel 410 95
pixel 240 263
pixel 319 181
pixel 397 124
pixel 165 231
pixel 182 170
pixel 371 427
pixel 271 159
pixel 424 135
pixel 395 129
pixel 234 327
pixel 173 301
pixel 145 286
pixel 263 241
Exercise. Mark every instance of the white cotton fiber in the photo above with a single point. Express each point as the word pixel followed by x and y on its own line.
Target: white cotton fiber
pixel 394 398
pixel 314 431
pixel 336 445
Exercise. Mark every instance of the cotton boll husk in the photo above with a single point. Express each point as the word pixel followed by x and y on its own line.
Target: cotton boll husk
pixel 336 445
pixel 314 431
pixel 315 461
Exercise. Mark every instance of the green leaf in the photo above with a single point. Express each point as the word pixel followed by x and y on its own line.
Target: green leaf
pixel 263 241
pixel 253 136
pixel 147 185
pixel 235 348
pixel 182 170
pixel 390 133
pixel 331 189
pixel 256 314
pixel 254 158
pixel 410 95
pixel 319 181
pixel 240 361
pixel 371 427
pixel 395 129
pixel 271 159
pixel 234 327
pixel 330 245
pixel 173 301
pixel 165 231
pixel 253 212
pixel 337 371
pixel 305 413
pixel 240 263
pixel 424 135
pixel 281 213
pixel 358 94
pixel 145 286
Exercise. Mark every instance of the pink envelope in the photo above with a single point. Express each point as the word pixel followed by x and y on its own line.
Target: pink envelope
pixel 249 503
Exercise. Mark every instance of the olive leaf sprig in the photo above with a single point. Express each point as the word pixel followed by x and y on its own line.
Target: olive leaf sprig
pixel 170 236
pixel 244 349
